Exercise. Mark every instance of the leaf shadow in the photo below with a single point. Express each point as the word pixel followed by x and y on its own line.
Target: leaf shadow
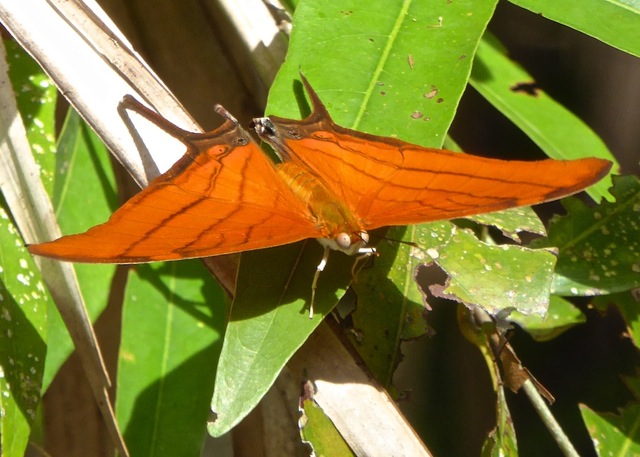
pixel 274 277
pixel 186 391
pixel 184 269
pixel 151 170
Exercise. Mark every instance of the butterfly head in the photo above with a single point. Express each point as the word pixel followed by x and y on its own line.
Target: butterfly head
pixel 349 243
pixel 267 131
pixel 264 127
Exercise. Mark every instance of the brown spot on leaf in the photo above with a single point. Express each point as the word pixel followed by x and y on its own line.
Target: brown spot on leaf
pixel 307 391
pixel 416 115
pixel 528 88
pixel 432 93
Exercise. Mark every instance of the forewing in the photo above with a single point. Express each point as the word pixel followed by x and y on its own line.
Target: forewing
pixel 222 196
pixel 390 182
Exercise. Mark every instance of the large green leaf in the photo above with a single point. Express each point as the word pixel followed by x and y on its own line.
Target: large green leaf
pixel 269 322
pixel 386 68
pixel 616 435
pixel 172 325
pixel 614 22
pixel 497 278
pixel 560 317
pixel 23 317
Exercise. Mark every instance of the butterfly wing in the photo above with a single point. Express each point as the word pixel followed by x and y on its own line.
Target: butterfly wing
pixel 385 181
pixel 223 196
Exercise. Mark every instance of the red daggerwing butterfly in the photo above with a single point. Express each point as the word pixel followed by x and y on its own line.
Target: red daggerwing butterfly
pixel 334 184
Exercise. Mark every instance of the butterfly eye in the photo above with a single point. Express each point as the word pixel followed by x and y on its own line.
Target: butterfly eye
pixel 343 240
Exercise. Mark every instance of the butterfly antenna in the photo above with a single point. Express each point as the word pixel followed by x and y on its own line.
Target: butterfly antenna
pixel 222 111
pixel 408 243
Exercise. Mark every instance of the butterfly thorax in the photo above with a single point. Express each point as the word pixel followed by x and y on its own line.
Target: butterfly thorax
pixel 332 217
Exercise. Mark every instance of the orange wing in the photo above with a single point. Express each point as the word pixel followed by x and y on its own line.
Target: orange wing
pixel 224 195
pixel 385 181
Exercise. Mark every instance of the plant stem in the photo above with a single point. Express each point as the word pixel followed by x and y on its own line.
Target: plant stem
pixel 547 418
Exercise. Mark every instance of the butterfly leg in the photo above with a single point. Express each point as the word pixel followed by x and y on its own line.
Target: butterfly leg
pixel 363 254
pixel 319 269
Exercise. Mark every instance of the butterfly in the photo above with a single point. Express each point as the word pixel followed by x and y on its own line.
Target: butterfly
pixel 225 195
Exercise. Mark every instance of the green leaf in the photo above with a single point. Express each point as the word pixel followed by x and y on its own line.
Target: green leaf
pixel 318 430
pixel 172 324
pixel 558 132
pixel 599 247
pixel 390 303
pixel 614 434
pixel 502 439
pixel 23 316
pixel 560 317
pixel 627 304
pixel 377 73
pixel 36 96
pixel 512 222
pixel 613 22
pixel 497 278
pixel 374 73
pixel 269 322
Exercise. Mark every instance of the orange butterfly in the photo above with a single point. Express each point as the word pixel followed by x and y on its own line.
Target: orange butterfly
pixel 333 184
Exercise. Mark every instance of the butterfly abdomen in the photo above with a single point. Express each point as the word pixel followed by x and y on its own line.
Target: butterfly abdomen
pixel 325 209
